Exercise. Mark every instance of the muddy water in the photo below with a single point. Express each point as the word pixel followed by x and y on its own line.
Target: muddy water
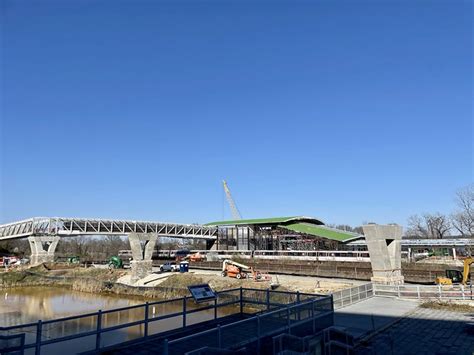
pixel 26 305
pixel 29 304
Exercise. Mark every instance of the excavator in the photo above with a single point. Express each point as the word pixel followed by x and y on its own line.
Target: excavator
pixel 456 276
pixel 232 268
pixel 115 263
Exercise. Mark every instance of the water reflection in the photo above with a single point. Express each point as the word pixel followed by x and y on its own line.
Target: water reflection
pixel 29 304
pixel 25 305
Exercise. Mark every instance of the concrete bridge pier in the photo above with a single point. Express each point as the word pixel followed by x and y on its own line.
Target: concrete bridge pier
pixel 142 246
pixel 42 249
pixel 383 242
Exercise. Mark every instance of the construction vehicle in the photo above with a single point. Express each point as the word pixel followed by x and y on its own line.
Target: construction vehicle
pixel 169 266
pixel 7 261
pixel 181 254
pixel 240 271
pixel 73 260
pixel 233 207
pixel 196 257
pixel 115 263
pixel 456 276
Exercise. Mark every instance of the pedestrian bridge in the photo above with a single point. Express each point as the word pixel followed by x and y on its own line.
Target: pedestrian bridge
pixel 63 227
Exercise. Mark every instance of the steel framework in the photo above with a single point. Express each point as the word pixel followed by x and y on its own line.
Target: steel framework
pixel 63 227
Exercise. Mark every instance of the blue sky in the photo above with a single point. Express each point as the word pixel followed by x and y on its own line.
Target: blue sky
pixel 348 111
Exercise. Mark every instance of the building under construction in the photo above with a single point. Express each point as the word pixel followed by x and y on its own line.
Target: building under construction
pixel 281 233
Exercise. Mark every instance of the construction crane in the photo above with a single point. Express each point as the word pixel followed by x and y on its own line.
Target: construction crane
pixel 233 207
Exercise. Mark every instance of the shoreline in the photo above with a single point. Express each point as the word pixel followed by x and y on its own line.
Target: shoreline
pixel 104 282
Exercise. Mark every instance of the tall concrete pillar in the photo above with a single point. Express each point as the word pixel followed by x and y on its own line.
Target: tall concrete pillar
pixel 42 249
pixel 383 242
pixel 142 246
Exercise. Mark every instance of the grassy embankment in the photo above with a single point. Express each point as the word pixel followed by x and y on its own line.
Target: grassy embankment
pixel 104 281
pixel 448 306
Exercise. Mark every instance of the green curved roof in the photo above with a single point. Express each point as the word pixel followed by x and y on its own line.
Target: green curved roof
pixel 299 224
pixel 323 232
pixel 275 220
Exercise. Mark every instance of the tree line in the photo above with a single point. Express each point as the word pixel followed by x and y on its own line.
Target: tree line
pixel 90 248
pixel 437 225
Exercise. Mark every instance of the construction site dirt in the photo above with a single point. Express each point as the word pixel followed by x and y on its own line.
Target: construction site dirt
pixel 413 272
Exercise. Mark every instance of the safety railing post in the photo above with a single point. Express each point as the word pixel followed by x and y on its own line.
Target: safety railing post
pixel 146 320
pixel 439 291
pixel 98 330
pixel 418 291
pixel 398 291
pixel 258 333
pixel 298 300
pixel 184 311
pixel 215 308
pixel 39 334
pixel 288 319
pixel 462 290
pixel 268 299
pixel 350 295
pixel 241 301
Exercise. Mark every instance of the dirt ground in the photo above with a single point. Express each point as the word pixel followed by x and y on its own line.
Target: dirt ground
pixel 299 283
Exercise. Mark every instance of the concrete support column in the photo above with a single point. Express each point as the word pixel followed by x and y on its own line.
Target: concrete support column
pixel 383 242
pixel 142 246
pixel 42 249
pixel 211 245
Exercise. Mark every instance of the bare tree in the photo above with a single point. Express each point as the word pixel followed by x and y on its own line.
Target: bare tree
pixel 417 227
pixel 433 226
pixel 463 218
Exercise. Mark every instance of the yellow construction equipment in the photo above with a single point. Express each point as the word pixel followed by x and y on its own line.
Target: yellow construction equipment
pixel 456 276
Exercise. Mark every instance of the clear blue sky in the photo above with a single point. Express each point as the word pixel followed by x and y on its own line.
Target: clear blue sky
pixel 348 111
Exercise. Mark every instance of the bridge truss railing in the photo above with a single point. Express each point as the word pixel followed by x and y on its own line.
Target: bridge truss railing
pixel 102 329
pixel 79 226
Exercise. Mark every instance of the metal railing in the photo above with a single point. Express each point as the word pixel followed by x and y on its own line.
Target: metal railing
pixel 352 295
pixel 94 330
pixel 315 255
pixel 457 292
pixel 306 316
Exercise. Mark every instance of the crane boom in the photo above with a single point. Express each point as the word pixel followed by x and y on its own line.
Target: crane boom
pixel 233 207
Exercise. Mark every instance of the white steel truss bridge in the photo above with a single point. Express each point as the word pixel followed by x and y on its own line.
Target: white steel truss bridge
pixel 63 227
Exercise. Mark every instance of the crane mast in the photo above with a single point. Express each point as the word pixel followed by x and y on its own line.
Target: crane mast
pixel 233 207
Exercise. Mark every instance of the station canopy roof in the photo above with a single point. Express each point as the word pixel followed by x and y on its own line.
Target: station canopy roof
pixel 300 224
pixel 323 232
